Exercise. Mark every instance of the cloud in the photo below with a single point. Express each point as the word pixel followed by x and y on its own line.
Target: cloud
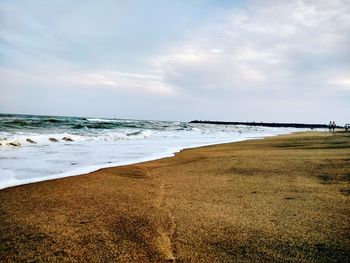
pixel 341 82
pixel 270 45
pixel 241 60
pixel 121 80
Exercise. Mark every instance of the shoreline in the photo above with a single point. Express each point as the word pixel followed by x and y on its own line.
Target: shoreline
pixel 280 199
pixel 269 124
pixel 158 156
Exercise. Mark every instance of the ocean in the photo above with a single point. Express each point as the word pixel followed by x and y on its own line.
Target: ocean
pixel 38 148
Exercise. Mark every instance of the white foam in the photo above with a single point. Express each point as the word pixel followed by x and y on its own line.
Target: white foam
pixel 90 152
pixel 102 120
pixel 22 139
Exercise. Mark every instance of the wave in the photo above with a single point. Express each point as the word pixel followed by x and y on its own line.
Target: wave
pixel 102 120
pixel 19 172
pixel 10 123
pixel 98 125
pixel 13 141
pixel 16 123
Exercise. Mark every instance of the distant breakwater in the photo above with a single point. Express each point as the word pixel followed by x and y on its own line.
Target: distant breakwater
pixel 268 124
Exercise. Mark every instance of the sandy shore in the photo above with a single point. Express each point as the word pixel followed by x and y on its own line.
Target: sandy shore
pixel 282 199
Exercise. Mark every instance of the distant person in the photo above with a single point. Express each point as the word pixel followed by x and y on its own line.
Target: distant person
pixel 333 125
pixel 330 125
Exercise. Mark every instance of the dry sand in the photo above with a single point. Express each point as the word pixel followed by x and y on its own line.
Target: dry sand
pixel 281 199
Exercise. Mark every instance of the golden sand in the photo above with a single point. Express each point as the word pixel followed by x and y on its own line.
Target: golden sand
pixel 281 199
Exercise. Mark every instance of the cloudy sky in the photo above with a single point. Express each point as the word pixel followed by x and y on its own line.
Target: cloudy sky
pixel 259 60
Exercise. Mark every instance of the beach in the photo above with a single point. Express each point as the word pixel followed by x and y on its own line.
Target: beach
pixel 278 199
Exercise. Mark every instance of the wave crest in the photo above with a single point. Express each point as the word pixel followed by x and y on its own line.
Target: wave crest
pixel 45 139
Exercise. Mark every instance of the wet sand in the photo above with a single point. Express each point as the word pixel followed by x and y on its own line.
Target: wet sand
pixel 280 199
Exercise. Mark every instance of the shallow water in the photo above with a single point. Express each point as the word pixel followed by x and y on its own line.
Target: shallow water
pixel 33 148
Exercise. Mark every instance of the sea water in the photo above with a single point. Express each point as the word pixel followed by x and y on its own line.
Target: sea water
pixel 37 148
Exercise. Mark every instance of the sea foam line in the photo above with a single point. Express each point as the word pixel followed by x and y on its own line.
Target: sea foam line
pixel 12 181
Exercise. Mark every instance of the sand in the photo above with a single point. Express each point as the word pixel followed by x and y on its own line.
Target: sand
pixel 280 199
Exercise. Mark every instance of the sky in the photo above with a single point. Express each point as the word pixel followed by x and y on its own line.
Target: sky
pixel 258 60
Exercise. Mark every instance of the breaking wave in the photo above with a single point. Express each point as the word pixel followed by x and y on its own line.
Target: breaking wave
pixel 36 148
pixel 54 138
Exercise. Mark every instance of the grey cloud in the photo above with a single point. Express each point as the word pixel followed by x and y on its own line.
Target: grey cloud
pixel 264 60
pixel 270 46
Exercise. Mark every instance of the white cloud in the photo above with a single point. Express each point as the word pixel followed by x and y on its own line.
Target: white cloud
pixel 265 54
pixel 270 45
pixel 121 80
pixel 341 82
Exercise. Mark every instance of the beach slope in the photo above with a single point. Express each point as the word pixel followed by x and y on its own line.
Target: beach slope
pixel 283 199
